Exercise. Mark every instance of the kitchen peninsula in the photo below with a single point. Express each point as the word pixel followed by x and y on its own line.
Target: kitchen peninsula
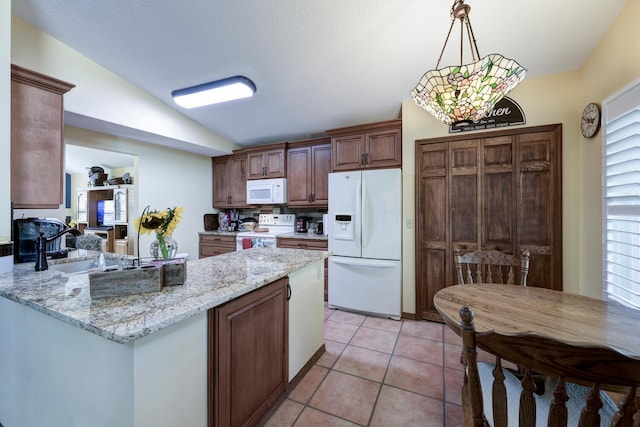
pixel 162 358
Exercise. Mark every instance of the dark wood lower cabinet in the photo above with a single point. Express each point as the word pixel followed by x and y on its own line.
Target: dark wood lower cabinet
pixel 216 244
pixel 248 356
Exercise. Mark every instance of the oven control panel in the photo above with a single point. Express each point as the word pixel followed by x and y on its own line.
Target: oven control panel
pixel 277 219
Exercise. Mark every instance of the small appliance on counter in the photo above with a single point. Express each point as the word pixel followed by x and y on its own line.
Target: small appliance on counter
pixel 302 224
pixel 25 231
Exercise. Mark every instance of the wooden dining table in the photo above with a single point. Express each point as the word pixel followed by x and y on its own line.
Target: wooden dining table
pixel 574 319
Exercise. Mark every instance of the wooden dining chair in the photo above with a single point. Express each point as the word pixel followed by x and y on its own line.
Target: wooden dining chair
pixel 575 378
pixel 490 267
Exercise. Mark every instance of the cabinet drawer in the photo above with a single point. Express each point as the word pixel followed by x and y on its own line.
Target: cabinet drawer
pixel 218 239
pixel 311 244
pixel 214 244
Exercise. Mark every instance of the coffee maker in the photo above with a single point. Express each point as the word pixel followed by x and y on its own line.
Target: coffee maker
pixel 302 224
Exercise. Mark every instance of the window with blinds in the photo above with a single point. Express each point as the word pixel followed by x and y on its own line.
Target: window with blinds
pixel 621 197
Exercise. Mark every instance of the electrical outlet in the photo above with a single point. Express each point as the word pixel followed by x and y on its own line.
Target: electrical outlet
pixel 409 222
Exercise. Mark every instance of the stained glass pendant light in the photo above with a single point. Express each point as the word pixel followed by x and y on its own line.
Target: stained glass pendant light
pixel 461 94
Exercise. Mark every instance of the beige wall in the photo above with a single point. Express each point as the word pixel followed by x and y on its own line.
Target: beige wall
pixel 5 118
pixel 547 100
pixel 165 178
pixel 612 65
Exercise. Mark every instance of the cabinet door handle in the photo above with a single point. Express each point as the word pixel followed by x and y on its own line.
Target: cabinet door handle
pixel 313 197
pixel 362 159
pixel 367 158
pixel 288 292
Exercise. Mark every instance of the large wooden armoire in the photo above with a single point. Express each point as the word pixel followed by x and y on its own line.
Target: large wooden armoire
pixel 497 190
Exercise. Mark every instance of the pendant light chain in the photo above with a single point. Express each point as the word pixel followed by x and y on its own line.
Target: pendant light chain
pixel 461 94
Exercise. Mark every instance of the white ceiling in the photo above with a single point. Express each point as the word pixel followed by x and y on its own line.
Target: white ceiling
pixel 317 65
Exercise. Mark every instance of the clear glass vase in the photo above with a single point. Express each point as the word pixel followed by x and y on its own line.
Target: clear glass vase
pixel 164 247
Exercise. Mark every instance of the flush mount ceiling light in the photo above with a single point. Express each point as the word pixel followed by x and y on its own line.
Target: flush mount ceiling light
pixel 224 90
pixel 461 94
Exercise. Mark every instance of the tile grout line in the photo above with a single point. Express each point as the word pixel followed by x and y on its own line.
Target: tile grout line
pixel 375 403
pixel 332 368
pixel 381 383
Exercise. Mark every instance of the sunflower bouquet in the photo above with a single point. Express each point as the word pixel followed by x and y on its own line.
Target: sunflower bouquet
pixel 163 223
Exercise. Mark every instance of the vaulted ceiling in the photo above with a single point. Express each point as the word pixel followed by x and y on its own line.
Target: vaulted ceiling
pixel 317 65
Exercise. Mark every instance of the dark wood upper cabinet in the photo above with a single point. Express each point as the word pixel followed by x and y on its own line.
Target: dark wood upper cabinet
pixel 267 162
pixel 230 181
pixel 308 167
pixel 374 145
pixel 496 190
pixel 37 144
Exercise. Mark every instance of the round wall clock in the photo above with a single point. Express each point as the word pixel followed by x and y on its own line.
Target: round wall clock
pixel 590 120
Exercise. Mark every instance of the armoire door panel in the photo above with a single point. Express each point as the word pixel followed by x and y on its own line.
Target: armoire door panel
pixel 535 147
pixel 434 160
pixel 535 208
pixel 464 156
pixel 464 207
pixel 434 217
pixel 498 155
pixel 498 210
pixel 540 270
pixel 434 278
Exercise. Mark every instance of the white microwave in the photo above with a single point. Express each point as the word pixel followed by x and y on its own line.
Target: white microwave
pixel 267 191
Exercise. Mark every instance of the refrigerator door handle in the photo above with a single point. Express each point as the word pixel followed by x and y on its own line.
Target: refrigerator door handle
pixel 359 263
pixel 363 198
pixel 359 214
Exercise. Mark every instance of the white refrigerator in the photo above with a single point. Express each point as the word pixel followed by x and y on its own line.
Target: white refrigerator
pixel 365 240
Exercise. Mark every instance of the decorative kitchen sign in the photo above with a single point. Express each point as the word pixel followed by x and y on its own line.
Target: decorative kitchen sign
pixel 506 113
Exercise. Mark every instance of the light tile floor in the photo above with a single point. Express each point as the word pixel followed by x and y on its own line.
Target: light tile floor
pixel 379 372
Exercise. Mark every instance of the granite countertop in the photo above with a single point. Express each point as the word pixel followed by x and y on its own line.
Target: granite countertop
pixel 210 282
pixel 302 236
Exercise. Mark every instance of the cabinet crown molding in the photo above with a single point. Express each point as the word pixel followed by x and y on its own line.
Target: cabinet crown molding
pixel 367 127
pixel 33 78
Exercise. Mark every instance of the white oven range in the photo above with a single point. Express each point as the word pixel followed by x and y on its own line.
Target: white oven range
pixel 276 223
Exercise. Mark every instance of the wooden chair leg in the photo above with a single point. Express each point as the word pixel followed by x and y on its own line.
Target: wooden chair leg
pixel 590 417
pixel 558 409
pixel 624 417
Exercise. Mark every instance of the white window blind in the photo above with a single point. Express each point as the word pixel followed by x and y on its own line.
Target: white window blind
pixel 621 197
